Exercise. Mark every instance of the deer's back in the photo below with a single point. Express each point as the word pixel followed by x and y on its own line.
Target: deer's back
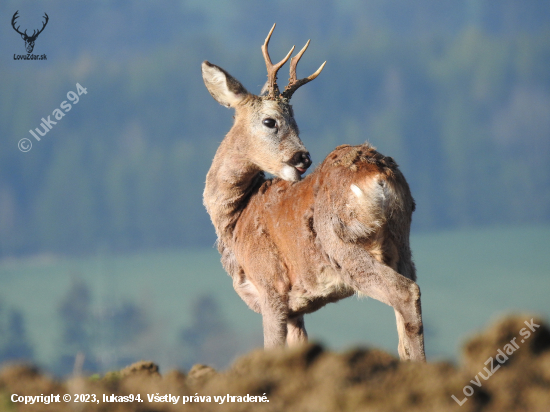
pixel 355 196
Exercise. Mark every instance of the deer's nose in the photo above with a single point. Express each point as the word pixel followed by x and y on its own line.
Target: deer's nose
pixel 301 160
pixel 306 159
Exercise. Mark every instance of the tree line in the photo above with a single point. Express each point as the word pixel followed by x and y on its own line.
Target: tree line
pixel 464 110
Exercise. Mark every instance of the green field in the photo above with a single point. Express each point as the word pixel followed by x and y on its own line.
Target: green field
pixel 467 278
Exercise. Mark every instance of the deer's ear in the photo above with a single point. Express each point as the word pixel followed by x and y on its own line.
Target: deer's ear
pixel 227 90
pixel 265 89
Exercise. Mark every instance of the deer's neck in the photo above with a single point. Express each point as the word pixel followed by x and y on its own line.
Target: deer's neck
pixel 231 180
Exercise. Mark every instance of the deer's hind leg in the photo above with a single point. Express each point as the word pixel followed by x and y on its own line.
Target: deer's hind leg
pixel 381 282
pixel 296 331
pixel 368 276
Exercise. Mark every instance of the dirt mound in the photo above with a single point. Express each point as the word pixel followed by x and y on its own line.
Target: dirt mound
pixel 505 368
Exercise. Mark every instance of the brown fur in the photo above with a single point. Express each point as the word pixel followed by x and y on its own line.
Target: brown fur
pixel 293 246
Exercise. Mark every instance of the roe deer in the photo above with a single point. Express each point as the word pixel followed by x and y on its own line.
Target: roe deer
pixel 290 245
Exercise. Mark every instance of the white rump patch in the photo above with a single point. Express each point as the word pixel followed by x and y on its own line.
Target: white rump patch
pixel 358 192
pixel 370 204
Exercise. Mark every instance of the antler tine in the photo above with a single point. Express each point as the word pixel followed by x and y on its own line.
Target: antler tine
pixel 293 82
pixel 15 17
pixel 272 69
pixel 294 62
pixel 43 24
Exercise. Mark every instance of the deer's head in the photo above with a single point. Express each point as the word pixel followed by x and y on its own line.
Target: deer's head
pixel 265 132
pixel 29 40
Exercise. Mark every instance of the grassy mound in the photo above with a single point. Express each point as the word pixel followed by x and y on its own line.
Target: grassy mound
pixel 516 350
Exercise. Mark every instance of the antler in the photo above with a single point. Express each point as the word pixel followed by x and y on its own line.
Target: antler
pixel 15 16
pixel 272 88
pixel 293 82
pixel 42 29
pixel 34 34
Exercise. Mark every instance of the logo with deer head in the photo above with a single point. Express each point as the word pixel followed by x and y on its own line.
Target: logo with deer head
pixel 29 40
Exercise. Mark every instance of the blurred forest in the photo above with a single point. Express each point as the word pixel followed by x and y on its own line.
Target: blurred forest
pixel 120 333
pixel 457 92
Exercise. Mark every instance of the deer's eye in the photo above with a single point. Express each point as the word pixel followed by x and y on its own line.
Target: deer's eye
pixel 269 122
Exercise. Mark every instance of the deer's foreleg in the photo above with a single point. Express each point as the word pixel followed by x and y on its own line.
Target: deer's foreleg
pixel 274 318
